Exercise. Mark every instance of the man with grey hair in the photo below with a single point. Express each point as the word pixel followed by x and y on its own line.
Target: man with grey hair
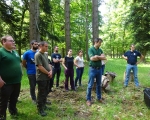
pixel 95 55
pixel 10 77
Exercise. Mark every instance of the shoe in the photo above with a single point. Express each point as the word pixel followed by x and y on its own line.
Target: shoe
pixel 101 101
pixel 88 103
pixel 42 113
pixel 47 108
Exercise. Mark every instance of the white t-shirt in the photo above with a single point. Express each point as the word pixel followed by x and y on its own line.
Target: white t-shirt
pixel 80 61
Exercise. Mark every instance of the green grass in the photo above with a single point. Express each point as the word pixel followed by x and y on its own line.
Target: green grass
pixel 121 104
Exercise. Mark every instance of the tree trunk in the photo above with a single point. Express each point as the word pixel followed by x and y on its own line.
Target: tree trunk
pixel 95 19
pixel 86 31
pixel 34 20
pixel 67 25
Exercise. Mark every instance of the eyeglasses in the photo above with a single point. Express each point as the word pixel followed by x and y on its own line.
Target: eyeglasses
pixel 10 40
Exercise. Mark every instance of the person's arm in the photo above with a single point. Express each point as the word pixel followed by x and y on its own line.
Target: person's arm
pixel 126 58
pixel 63 64
pixel 1 82
pixel 141 59
pixel 75 62
pixel 43 70
pixel 24 63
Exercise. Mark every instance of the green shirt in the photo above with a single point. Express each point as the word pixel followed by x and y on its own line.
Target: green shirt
pixel 10 68
pixel 92 52
pixel 41 59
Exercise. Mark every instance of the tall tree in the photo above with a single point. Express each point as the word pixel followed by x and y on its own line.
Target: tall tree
pixel 67 25
pixel 95 19
pixel 34 20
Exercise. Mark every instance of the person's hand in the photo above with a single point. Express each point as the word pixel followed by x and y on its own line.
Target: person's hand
pixel 50 74
pixel 1 82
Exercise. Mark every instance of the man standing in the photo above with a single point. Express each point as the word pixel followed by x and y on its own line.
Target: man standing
pixel 29 63
pixel 95 55
pixel 43 74
pixel 10 77
pixel 56 59
pixel 131 57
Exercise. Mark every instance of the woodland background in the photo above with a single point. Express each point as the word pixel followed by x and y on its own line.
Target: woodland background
pixel 74 24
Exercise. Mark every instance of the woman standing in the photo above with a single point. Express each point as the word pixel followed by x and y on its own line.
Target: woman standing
pixel 79 63
pixel 69 71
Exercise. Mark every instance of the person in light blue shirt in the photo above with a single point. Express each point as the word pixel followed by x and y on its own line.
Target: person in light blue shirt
pixel 29 63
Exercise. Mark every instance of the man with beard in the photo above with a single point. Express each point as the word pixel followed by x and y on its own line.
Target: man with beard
pixel 56 60
pixel 29 63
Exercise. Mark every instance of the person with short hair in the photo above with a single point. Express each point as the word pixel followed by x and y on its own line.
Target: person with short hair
pixel 43 75
pixel 29 63
pixel 56 60
pixel 79 63
pixel 10 77
pixel 131 57
pixel 95 55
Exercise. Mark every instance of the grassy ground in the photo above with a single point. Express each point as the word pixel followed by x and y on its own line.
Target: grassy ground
pixel 121 103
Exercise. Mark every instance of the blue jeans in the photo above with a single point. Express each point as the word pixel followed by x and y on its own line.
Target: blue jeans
pixel 128 70
pixel 79 72
pixel 94 73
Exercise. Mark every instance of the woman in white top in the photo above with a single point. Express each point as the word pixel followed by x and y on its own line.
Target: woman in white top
pixel 79 63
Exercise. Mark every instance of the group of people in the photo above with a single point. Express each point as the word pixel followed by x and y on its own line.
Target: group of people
pixel 41 71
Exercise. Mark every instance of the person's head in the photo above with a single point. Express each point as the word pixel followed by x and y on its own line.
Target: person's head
pixel 43 46
pixel 80 53
pixel 34 45
pixel 56 49
pixel 132 47
pixel 8 42
pixel 70 52
pixel 97 42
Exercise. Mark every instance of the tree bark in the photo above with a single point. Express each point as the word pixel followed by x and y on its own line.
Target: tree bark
pixel 95 19
pixel 34 20
pixel 67 25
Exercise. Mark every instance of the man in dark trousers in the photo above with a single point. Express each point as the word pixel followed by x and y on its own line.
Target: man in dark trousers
pixel 10 77
pixel 56 60
pixel 29 63
pixel 131 58
pixel 43 75
pixel 96 55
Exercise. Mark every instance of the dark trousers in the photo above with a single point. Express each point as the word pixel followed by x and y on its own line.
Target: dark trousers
pixel 8 96
pixel 79 73
pixel 32 82
pixel 69 73
pixel 43 89
pixel 103 68
pixel 56 71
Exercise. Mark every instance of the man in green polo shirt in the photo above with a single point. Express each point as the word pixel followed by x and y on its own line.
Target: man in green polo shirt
pixel 10 77
pixel 95 55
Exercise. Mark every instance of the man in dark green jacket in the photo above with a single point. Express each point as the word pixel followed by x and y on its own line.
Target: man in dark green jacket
pixel 10 77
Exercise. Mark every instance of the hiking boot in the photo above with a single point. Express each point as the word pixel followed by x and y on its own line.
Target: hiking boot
pixel 46 108
pixel 42 112
pixel 101 101
pixel 88 103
